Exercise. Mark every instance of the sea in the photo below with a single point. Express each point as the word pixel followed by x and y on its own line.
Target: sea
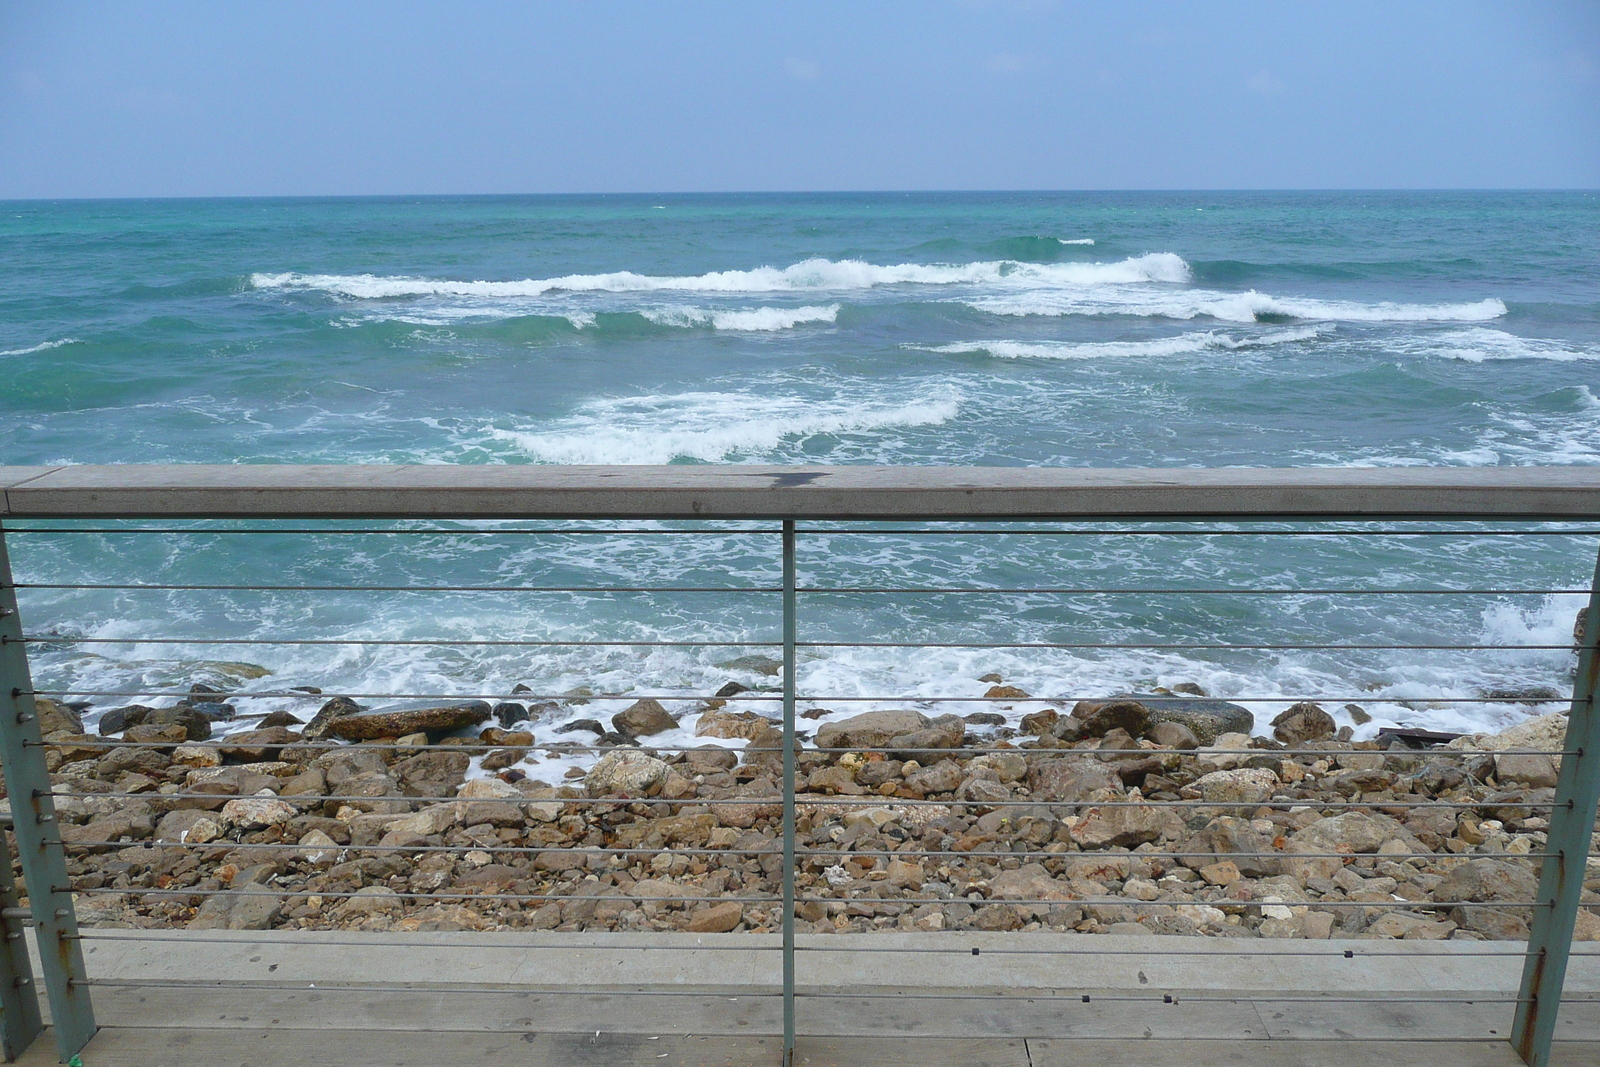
pixel 1138 329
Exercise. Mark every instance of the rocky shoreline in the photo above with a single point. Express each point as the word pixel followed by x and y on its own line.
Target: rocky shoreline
pixel 1141 813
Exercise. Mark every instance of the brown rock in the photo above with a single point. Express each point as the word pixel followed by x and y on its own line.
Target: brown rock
pixel 716 919
pixel 435 722
pixel 1070 778
pixel 1303 722
pixel 643 718
pixel 1129 715
pixel 258 746
pixel 1173 735
pixel 337 708
pixel 871 729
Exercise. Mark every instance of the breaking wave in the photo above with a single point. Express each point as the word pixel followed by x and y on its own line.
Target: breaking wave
pixel 1182 344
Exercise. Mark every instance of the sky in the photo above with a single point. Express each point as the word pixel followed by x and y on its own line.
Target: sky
pixel 166 98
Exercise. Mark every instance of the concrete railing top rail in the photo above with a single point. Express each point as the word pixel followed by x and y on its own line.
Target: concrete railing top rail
pixel 774 492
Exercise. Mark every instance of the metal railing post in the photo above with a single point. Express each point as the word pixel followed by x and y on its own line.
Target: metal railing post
pixel 1561 880
pixel 33 813
pixel 19 999
pixel 789 630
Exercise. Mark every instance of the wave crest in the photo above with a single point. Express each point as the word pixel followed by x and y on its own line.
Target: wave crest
pixel 1183 344
pixel 762 319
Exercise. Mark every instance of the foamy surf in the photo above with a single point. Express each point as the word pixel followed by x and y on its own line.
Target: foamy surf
pixel 1251 306
pixel 44 346
pixel 1183 344
pixel 810 274
pixel 712 427
pixel 750 320
pixel 1480 344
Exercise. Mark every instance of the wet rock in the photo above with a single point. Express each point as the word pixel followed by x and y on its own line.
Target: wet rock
pixel 435 722
pixel 872 729
pixel 762 665
pixel 1173 735
pixel 116 720
pixel 1129 716
pixel 732 724
pixel 256 746
pixel 278 718
pixel 1209 719
pixel 1303 722
pixel 1358 714
pixel 196 727
pixel 327 715
pixel 591 725
pixel 149 733
pixel 643 718
pixel 626 771
pixel 508 712
pixel 1006 692
pixel 987 718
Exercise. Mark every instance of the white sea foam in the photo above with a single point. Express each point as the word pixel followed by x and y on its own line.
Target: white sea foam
pixel 761 319
pixel 42 347
pixel 1076 240
pixel 1478 344
pixel 1182 344
pixel 1251 306
pixel 712 427
pixel 811 274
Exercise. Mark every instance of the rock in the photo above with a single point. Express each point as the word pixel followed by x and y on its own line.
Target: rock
pixel 257 746
pixel 1128 715
pixel 1533 770
pixel 1248 785
pixel 188 825
pixel 1542 733
pixel 1173 735
pixel 508 712
pixel 709 759
pixel 1303 722
pixel 435 722
pixel 149 733
pixel 482 800
pixel 278 718
pixel 943 777
pixel 333 710
pixel 257 813
pixel 1223 873
pixel 592 725
pixel 947 731
pixel 56 718
pixel 197 727
pixel 1207 718
pixel 1035 724
pixel 643 718
pixel 1006 692
pixel 372 900
pixel 732 724
pixel 762 665
pixel 836 779
pixel 1070 779
pixel 716 919
pixel 1358 714
pixel 318 848
pixel 1487 880
pixel 1235 841
pixel 871 729
pixel 1028 882
pixel 435 773
pixel 250 907
pixel 435 818
pixel 116 720
pixel 213 710
pixel 905 874
pixel 626 771
pixel 984 718
pixel 197 756
pixel 1126 826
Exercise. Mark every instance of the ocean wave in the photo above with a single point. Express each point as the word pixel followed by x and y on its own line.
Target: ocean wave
pixel 44 346
pixel 810 274
pixel 1479 344
pixel 1076 240
pixel 761 319
pixel 1183 344
pixel 711 426
pixel 1251 306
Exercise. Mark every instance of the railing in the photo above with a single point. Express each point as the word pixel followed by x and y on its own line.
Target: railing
pixel 822 835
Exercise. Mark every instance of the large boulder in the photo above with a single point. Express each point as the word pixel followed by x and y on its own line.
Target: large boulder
pixel 1488 880
pixel 435 722
pixel 1303 722
pixel 643 718
pixel 947 731
pixel 335 709
pixel 1207 718
pixel 1128 715
pixel 870 729
pixel 627 771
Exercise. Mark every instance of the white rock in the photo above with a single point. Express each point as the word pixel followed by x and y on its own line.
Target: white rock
pixel 257 813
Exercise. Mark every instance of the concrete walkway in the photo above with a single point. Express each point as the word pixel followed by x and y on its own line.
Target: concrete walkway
pixel 235 999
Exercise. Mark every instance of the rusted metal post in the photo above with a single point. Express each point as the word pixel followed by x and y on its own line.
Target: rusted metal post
pixel 1561 880
pixel 33 813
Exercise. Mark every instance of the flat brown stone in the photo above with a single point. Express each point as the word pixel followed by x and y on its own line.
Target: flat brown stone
pixel 432 721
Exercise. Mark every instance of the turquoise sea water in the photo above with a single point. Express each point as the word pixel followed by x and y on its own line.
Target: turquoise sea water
pixel 1148 329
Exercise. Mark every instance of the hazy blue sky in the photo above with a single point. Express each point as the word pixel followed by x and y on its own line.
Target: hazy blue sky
pixel 181 99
